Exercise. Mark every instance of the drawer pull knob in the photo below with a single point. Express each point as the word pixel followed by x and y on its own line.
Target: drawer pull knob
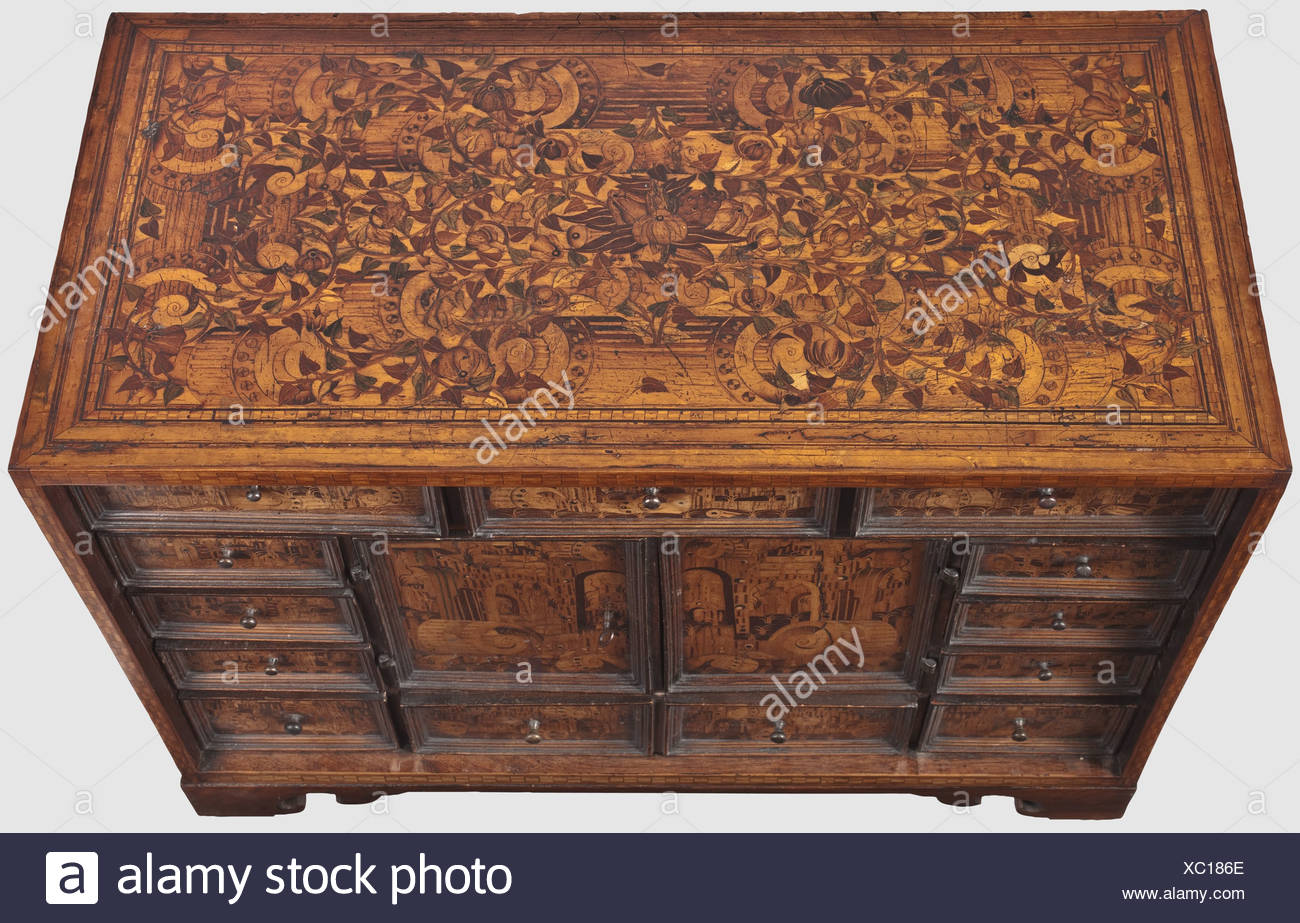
pixel 1083 568
pixel 1058 621
pixel 227 558
pixel 1046 498
pixel 534 735
pixel 272 666
pixel 253 494
pixel 359 573
pixel 1044 671
pixel 778 733
pixel 249 620
pixel 950 575
pixel 1018 733
pixel 651 500
pixel 607 632
pixel 293 724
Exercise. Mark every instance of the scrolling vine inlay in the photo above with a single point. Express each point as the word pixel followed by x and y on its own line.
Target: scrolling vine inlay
pixel 697 230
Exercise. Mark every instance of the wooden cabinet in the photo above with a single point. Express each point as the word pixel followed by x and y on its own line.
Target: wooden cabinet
pixel 866 414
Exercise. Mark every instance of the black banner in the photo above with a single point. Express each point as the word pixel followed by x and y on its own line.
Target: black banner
pixel 650 877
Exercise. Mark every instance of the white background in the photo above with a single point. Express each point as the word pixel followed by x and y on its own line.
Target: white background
pixel 78 752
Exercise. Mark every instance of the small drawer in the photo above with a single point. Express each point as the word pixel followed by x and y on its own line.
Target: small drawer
pixel 195 616
pixel 322 509
pixel 162 560
pixel 501 511
pixel 1045 672
pixel 720 728
pixel 1083 730
pixel 1058 624
pixel 270 669
pixel 1045 510
pixel 531 729
pixel 1087 568
pixel 297 723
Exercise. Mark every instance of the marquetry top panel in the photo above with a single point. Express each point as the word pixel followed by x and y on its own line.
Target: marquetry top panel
pixel 733 236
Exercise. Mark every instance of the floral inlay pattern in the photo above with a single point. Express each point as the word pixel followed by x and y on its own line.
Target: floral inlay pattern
pixel 320 231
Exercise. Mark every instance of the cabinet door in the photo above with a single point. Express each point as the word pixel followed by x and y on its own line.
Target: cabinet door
pixel 517 617
pixel 742 613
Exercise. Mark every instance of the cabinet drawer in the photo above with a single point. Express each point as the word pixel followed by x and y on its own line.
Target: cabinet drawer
pixel 1084 568
pixel 198 616
pixel 648 511
pixel 1061 623
pixel 250 506
pixel 541 729
pixel 1045 672
pixel 297 723
pixel 719 728
pixel 270 669
pixel 1046 510
pixel 1086 730
pixel 160 560
pixel 515 617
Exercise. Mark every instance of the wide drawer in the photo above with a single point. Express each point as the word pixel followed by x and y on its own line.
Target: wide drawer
pixel 1060 623
pixel 1046 510
pixel 648 511
pixel 162 560
pixel 542 728
pixel 290 723
pixel 729 728
pixel 1089 568
pixel 327 509
pixel 1043 672
pixel 270 669
pixel 1085 730
pixel 199 616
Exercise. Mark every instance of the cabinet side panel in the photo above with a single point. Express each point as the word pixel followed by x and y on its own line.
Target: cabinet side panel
pixel 59 520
